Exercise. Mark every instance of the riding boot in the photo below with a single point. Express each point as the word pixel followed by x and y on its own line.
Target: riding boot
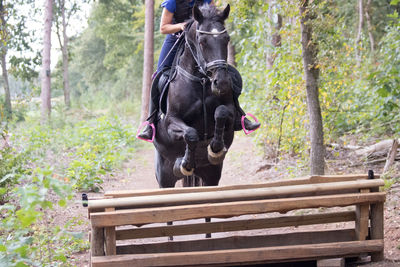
pixel 147 132
pixel 248 124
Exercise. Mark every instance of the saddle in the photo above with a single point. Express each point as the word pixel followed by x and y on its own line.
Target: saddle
pixel 159 89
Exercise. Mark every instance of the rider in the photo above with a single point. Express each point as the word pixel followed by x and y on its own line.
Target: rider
pixel 173 20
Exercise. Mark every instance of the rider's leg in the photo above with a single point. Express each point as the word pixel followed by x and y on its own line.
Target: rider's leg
pixel 168 52
pixel 147 133
pixel 237 89
pixel 248 124
pixel 165 60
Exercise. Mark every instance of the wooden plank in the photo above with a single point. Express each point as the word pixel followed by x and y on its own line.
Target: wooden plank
pixel 377 230
pixel 97 241
pixel 362 219
pixel 337 262
pixel 110 238
pixel 230 195
pixel 298 181
pixel 292 237
pixel 243 256
pixel 234 225
pixel 184 212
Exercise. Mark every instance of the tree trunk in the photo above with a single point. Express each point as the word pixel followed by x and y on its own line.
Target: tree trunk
pixel 148 57
pixel 311 74
pixel 45 74
pixel 7 100
pixel 67 99
pixel 275 41
pixel 359 33
pixel 369 25
pixel 3 52
pixel 231 54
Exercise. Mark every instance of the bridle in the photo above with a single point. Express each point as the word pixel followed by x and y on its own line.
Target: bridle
pixel 206 68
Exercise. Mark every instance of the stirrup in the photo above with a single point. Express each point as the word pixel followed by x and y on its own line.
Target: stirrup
pixel 141 128
pixel 244 128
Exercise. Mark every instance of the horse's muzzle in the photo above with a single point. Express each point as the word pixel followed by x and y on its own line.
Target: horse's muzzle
pixel 221 84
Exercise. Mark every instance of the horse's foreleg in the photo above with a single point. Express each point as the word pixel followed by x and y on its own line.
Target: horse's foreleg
pixel 188 162
pixel 217 149
pixel 178 129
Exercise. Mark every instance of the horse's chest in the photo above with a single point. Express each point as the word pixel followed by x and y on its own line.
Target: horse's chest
pixel 193 110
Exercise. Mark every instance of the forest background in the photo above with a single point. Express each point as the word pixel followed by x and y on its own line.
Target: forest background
pixel 93 123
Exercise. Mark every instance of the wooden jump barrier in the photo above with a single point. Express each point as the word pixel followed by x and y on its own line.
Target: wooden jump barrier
pixel 123 216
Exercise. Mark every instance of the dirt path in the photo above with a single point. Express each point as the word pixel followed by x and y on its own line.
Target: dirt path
pixel 242 165
pixel 139 171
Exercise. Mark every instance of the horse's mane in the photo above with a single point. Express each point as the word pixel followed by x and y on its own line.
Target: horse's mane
pixel 209 12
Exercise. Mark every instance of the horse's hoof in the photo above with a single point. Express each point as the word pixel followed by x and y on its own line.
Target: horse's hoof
pixel 216 158
pixel 186 172
pixel 179 170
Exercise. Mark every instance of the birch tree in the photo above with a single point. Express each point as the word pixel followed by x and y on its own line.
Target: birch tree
pixel 61 31
pixel 46 73
pixel 3 53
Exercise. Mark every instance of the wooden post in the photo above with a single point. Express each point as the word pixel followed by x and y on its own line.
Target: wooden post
pixel 110 242
pixel 110 238
pixel 97 241
pixel 377 228
pixel 377 223
pixel 391 155
pixel 362 216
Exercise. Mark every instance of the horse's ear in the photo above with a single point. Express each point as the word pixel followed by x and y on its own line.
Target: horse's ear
pixel 197 15
pixel 225 13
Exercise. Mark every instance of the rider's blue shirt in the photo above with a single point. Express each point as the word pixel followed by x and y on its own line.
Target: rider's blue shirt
pixel 170 5
pixel 168 49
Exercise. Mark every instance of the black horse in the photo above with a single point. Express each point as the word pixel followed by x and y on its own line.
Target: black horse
pixel 196 131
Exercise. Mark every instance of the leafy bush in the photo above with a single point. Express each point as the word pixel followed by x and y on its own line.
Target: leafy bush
pixel 20 241
pixel 98 146
pixel 386 79
pixel 80 155
pixel 11 168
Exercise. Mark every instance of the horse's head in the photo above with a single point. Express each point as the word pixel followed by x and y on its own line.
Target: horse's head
pixel 211 40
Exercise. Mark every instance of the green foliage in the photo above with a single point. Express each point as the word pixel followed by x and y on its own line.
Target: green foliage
pixel 276 93
pixel 351 98
pixel 11 169
pixel 19 242
pixel 98 147
pixel 17 38
pixel 386 79
pixel 107 58
pixel 81 152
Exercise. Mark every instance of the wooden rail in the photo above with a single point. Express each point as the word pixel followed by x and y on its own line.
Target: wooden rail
pixel 132 215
